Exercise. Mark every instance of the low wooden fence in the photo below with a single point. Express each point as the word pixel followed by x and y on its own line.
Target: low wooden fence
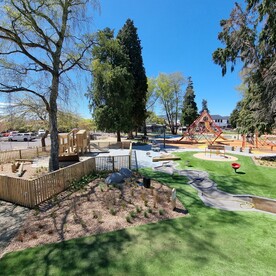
pixel 11 155
pixel 112 144
pixel 30 193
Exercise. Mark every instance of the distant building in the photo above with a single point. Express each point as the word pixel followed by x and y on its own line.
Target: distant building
pixel 155 128
pixel 221 121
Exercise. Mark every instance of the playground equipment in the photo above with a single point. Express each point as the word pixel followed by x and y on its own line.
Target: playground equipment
pixel 203 127
pixel 72 144
pixel 217 149
pixel 235 166
pixel 259 142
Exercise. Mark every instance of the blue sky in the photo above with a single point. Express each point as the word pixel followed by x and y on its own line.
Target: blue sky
pixel 176 36
pixel 179 36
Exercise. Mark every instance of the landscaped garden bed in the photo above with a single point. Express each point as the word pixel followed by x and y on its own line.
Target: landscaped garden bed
pixel 95 208
pixel 267 161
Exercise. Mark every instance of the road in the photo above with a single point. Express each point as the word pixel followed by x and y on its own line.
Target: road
pixel 13 145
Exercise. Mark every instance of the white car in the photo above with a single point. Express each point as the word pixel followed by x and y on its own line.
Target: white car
pixel 20 137
pixel 40 132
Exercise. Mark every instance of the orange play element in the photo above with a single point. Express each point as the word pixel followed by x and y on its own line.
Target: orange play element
pixel 205 128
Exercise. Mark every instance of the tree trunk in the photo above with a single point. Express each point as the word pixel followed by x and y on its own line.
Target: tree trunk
pixel 130 135
pixel 145 129
pixel 43 143
pixel 53 162
pixel 118 136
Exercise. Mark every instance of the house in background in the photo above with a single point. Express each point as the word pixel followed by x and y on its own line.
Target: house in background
pixel 221 121
pixel 155 128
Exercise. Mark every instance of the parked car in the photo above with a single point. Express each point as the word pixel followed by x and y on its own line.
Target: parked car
pixel 20 137
pixel 40 132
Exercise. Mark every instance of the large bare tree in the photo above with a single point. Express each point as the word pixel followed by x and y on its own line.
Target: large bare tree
pixel 169 91
pixel 41 42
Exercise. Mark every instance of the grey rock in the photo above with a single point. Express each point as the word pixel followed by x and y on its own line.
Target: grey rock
pixel 125 172
pixel 114 178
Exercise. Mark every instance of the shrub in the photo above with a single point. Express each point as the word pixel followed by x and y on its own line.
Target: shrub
pixel 113 212
pixel 161 212
pixel 146 214
pixel 128 219
pixel 133 214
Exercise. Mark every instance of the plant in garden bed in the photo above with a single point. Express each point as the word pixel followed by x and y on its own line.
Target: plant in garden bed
pixel 113 211
pixel 161 212
pixel 138 209
pixel 128 219
pixel 133 214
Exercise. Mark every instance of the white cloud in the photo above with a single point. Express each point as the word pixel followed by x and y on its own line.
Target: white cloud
pixel 3 107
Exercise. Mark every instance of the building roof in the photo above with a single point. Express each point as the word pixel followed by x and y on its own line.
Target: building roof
pixel 219 117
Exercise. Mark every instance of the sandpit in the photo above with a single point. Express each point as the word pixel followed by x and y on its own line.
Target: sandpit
pixel 215 157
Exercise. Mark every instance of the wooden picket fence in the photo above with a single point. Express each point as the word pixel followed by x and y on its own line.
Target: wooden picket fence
pixel 11 155
pixel 31 193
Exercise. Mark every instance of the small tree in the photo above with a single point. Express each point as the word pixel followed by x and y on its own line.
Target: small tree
pixel 110 95
pixel 169 91
pixel 189 110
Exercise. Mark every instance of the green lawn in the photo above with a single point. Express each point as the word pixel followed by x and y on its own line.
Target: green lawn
pixel 206 242
pixel 250 179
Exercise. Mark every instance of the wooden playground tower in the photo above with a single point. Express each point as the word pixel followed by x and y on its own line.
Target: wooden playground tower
pixel 72 144
pixel 203 128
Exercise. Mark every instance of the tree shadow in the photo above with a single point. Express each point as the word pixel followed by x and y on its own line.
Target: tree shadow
pixel 191 240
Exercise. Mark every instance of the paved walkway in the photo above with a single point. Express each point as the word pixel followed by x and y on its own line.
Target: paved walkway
pixel 208 191
pixel 11 219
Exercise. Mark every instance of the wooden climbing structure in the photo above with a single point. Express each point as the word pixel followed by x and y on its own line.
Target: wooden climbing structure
pixel 203 127
pixel 73 143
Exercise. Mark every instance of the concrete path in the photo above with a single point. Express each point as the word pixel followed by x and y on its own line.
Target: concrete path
pixel 208 191
pixel 11 220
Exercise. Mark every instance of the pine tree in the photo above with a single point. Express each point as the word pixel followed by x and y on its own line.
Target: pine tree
pixel 204 106
pixel 189 111
pixel 131 44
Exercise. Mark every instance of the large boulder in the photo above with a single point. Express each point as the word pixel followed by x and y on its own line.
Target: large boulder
pixel 125 172
pixel 116 178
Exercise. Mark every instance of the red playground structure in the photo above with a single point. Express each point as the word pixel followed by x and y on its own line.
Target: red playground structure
pixel 203 128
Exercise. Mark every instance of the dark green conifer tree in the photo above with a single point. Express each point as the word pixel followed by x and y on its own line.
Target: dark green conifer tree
pixel 204 106
pixel 131 44
pixel 189 111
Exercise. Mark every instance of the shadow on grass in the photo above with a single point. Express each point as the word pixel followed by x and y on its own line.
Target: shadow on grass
pixel 165 247
pixel 240 172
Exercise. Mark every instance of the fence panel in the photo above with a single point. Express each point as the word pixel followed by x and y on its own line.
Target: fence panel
pixel 30 193
pixel 112 163
pixel 12 155
pixel 16 190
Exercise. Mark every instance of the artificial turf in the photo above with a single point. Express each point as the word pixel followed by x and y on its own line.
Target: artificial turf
pixel 206 242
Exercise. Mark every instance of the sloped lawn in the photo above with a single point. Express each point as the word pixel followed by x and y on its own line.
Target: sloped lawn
pixel 207 242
